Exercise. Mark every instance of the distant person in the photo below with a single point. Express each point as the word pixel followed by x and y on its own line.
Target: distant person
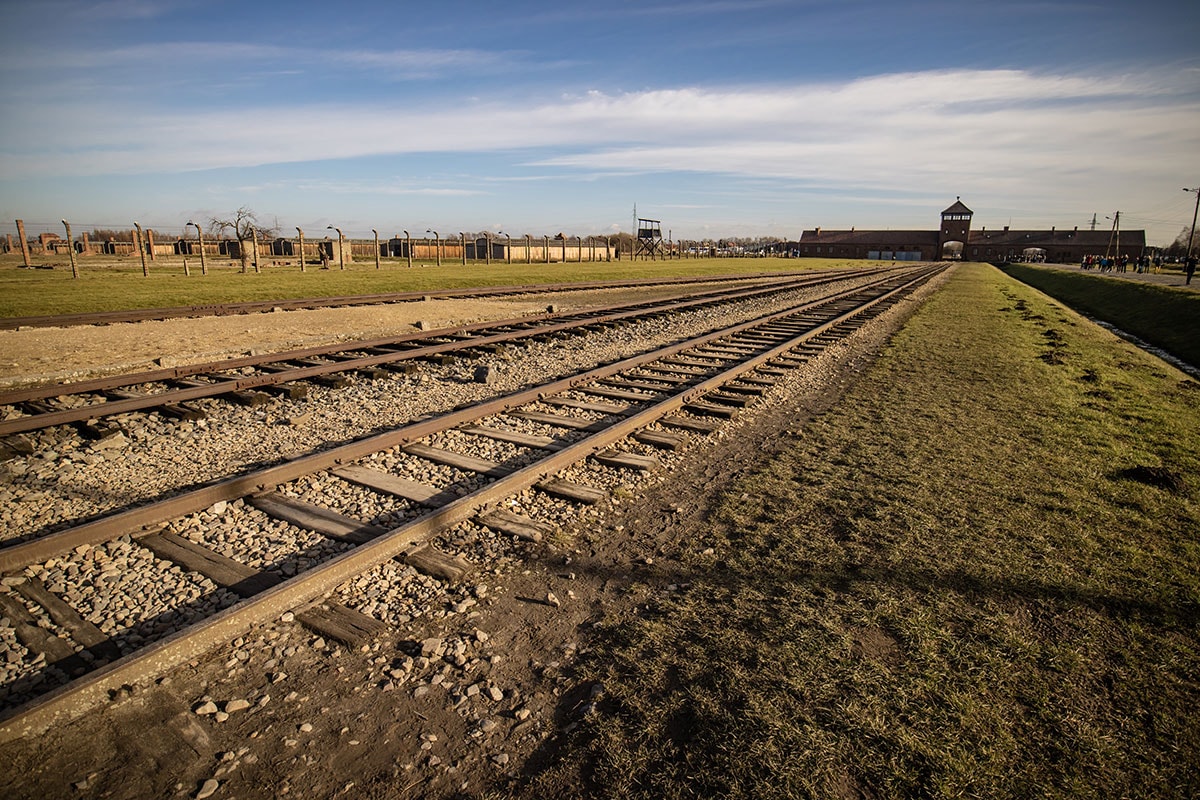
pixel 1190 268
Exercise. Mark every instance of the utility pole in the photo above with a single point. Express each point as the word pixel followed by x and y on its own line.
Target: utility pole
pixel 1116 231
pixel 1093 220
pixel 1192 235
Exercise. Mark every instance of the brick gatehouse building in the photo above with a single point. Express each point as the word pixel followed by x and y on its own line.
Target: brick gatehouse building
pixel 955 239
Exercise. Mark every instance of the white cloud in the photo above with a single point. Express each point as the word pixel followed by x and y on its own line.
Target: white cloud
pixel 172 61
pixel 1006 132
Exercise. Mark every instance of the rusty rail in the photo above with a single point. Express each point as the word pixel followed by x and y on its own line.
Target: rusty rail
pixel 545 324
pixel 256 307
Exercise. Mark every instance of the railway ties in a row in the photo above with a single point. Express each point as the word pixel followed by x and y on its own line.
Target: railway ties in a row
pixel 249 380
pixel 616 415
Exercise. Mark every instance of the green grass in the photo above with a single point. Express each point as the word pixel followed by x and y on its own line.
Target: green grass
pixel 1165 317
pixel 943 587
pixel 118 283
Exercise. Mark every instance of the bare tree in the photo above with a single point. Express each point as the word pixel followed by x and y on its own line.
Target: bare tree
pixel 243 224
pixel 1180 246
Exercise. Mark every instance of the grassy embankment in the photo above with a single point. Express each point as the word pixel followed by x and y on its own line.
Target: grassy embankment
pixel 118 284
pixel 1162 316
pixel 948 585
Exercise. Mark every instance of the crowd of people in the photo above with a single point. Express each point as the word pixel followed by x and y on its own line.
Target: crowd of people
pixel 1142 263
pixel 1121 263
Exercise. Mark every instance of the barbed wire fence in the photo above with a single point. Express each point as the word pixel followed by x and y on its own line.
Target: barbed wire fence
pixel 81 240
pixel 168 240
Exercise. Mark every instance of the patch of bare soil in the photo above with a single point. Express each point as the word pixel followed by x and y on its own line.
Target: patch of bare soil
pixel 329 727
pixel 33 356
pixel 42 355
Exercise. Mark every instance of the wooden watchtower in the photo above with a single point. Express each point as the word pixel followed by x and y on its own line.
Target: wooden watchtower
pixel 649 238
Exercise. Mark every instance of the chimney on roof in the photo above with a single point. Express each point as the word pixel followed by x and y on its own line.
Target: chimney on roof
pixel 1076 229
pixel 818 231
pixel 1006 229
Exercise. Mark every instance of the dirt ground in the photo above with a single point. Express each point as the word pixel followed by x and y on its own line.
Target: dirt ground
pixel 31 356
pixel 42 355
pixel 328 729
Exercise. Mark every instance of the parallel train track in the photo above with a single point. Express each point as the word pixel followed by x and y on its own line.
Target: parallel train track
pixel 256 307
pixel 615 414
pixel 247 379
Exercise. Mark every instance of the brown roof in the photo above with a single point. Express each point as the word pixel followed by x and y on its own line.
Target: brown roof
pixel 958 208
pixel 1097 240
pixel 864 238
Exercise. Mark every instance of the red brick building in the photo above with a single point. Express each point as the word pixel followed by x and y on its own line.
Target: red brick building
pixel 954 239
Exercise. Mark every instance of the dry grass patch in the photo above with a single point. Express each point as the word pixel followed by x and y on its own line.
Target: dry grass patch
pixel 953 584
pixel 118 284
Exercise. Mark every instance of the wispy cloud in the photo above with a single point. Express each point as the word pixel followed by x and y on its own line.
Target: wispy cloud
pixel 430 61
pixel 128 9
pixel 878 130
pixel 393 187
pixel 162 60
pixel 1018 133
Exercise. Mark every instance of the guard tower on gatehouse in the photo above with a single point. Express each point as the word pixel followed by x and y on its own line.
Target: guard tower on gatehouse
pixel 649 238
pixel 955 230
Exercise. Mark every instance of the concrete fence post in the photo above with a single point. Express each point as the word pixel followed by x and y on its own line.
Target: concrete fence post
pixel 141 246
pixel 254 249
pixel 71 249
pixel 24 241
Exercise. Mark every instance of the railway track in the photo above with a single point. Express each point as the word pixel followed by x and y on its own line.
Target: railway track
pixel 252 380
pixel 258 307
pixel 414 482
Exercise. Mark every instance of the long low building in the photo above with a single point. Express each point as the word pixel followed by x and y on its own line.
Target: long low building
pixel 954 239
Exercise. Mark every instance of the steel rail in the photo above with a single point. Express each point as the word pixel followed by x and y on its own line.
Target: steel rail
pixel 109 526
pixel 222 386
pixel 255 307
pixel 13 396
pixel 78 696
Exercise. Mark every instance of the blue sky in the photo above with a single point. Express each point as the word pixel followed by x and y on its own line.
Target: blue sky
pixel 720 118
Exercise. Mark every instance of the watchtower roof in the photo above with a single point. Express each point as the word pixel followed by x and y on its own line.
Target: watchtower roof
pixel 958 208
